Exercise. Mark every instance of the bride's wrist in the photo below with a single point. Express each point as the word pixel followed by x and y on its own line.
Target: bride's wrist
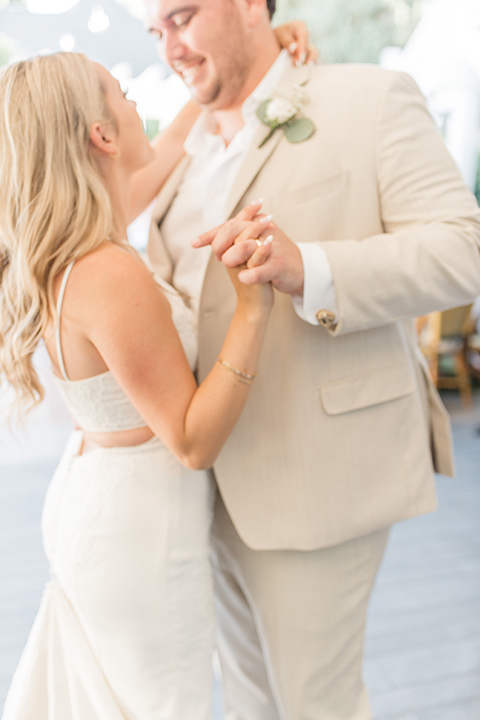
pixel 253 313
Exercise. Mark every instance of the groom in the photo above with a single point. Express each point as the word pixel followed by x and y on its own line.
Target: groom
pixel 372 226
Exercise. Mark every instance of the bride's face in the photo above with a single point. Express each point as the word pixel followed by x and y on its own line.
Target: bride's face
pixel 126 129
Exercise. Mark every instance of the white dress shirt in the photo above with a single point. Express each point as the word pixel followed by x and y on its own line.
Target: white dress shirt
pixel 202 195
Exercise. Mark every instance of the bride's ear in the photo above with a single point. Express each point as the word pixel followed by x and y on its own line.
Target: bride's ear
pixel 102 139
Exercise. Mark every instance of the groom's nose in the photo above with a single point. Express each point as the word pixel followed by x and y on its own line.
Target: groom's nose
pixel 173 48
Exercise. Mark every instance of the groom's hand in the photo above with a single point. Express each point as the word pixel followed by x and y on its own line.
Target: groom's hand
pixel 283 267
pixel 244 240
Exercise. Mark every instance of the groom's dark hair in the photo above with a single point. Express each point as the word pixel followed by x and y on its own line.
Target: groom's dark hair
pixel 271 7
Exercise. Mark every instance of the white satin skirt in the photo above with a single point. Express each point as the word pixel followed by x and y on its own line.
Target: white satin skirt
pixel 125 627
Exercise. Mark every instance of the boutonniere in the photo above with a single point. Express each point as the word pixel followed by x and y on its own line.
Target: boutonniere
pixel 281 112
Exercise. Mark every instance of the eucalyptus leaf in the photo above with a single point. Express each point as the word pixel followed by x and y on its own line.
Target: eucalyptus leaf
pixel 299 130
pixel 262 112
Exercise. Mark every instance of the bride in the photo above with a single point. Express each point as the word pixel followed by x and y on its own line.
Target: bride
pixel 125 627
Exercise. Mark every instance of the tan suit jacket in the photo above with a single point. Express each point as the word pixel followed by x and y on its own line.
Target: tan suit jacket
pixel 343 428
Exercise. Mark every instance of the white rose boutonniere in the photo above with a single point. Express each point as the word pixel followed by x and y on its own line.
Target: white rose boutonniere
pixel 281 112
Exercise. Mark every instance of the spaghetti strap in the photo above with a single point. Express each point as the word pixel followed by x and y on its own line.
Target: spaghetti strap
pixel 66 275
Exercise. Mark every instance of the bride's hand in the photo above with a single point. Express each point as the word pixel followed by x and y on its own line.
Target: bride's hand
pixel 255 300
pixel 248 231
pixel 247 237
pixel 257 297
pixel 294 37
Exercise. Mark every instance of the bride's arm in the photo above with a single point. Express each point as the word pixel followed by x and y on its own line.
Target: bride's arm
pixel 168 146
pixel 139 344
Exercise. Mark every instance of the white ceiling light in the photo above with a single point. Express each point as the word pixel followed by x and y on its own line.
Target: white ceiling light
pixel 99 20
pixel 67 42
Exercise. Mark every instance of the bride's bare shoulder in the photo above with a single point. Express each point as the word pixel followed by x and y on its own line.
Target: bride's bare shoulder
pixel 110 276
pixel 111 264
pixel 110 257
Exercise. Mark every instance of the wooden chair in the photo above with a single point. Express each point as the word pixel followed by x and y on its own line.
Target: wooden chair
pixel 473 355
pixel 443 337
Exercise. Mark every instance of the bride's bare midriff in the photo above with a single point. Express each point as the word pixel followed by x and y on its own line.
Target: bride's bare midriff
pixel 125 438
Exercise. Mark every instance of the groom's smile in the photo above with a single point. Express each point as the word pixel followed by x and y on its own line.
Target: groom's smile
pixel 206 43
pixel 190 72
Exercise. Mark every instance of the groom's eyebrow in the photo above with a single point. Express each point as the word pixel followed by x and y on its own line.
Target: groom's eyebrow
pixel 177 11
pixel 185 8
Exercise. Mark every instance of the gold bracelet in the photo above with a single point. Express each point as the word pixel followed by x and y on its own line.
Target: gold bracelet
pixel 244 377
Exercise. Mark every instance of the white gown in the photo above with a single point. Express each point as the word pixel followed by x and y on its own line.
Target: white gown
pixel 125 626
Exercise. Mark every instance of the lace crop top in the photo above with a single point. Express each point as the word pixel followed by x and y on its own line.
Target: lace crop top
pixel 98 403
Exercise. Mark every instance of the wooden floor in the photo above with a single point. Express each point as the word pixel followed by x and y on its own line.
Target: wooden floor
pixel 423 637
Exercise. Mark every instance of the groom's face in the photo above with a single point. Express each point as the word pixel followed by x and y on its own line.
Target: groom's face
pixel 206 42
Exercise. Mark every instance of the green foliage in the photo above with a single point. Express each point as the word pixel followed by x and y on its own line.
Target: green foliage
pixel 152 128
pixel 353 30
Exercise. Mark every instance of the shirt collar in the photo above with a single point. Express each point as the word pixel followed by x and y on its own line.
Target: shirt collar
pixel 202 135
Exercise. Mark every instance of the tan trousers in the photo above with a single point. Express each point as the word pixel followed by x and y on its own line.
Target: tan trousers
pixel 291 626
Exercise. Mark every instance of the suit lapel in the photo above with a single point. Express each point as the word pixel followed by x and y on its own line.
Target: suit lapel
pixel 255 157
pixel 252 163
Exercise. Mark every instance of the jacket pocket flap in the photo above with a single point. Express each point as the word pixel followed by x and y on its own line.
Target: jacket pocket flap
pixel 366 389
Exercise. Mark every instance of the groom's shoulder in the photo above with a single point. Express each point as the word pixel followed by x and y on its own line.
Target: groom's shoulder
pixel 357 84
pixel 354 75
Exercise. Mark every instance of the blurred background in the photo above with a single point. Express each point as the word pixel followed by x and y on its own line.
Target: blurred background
pixel 423 644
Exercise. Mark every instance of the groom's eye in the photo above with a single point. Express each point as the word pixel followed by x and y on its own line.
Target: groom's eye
pixel 157 34
pixel 176 22
pixel 181 20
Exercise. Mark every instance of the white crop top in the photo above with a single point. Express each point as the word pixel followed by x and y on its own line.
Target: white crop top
pixel 98 403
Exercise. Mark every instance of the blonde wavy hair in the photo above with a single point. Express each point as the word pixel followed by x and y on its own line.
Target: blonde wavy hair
pixel 54 206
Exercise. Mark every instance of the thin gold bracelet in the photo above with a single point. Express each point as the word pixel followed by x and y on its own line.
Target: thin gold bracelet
pixel 244 377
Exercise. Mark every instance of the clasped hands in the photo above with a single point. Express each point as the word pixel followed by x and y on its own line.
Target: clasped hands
pixel 252 241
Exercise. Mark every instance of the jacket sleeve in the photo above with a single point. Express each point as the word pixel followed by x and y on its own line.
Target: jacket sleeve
pixel 428 257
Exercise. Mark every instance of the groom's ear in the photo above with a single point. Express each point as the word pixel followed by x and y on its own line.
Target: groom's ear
pixel 257 11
